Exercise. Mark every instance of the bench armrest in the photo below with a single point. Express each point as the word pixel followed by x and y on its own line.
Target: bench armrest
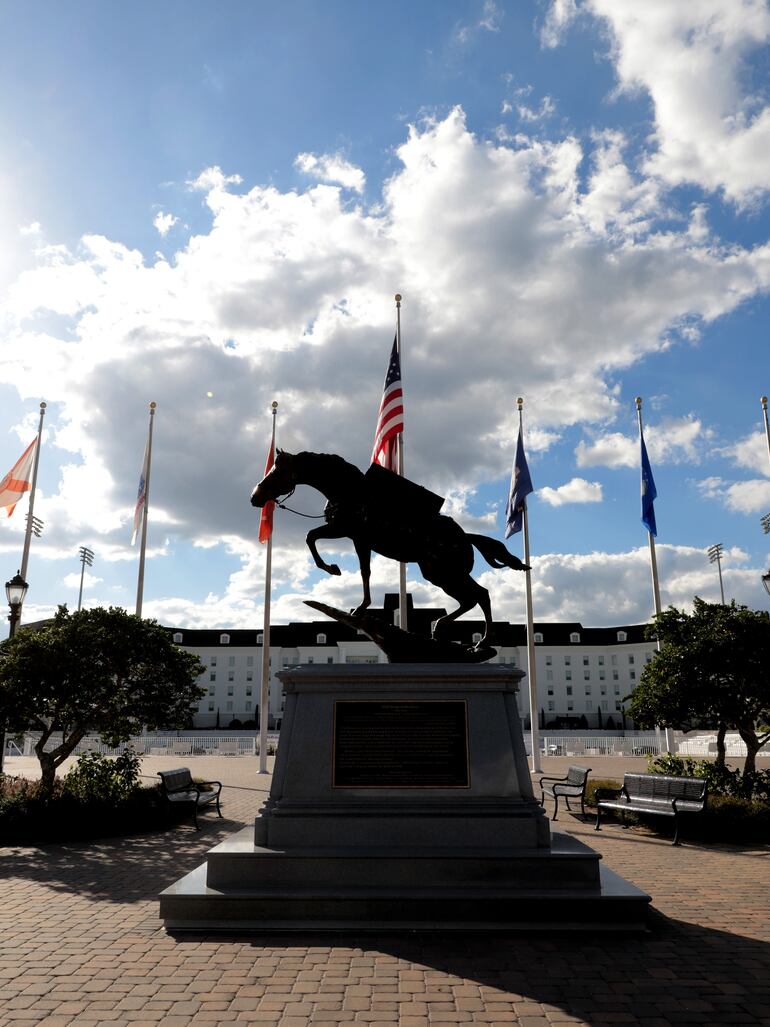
pixel 553 779
pixel 217 783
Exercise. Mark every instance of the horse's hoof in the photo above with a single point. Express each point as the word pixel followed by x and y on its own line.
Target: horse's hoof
pixel 333 568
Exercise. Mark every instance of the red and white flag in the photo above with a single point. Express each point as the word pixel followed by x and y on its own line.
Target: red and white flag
pixel 17 480
pixel 266 517
pixel 390 421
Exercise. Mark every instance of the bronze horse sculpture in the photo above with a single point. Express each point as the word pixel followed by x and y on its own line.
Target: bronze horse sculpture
pixel 383 513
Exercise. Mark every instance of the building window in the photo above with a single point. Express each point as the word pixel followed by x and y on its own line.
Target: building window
pixel 248 691
pixel 550 691
pixel 211 691
pixel 631 658
pixel 213 661
pixel 213 676
pixel 229 706
pixel 211 707
pixel 224 639
pixel 575 636
pixel 617 706
pixel 249 661
pixel 615 675
pixel 538 638
pixel 604 704
pixel 588 689
pixel 568 675
pixel 178 637
pixel 589 705
pixel 231 675
pixel 320 639
pixel 622 636
pixel 632 675
pixel 330 659
pixel 567 661
pixel 601 675
pixel 249 675
pixel 586 662
pixel 285 661
pixel 229 689
pixel 569 689
pixel 551 707
pixel 601 660
pixel 648 657
pixel 247 706
pixel 614 660
pixel 603 690
pixel 586 675
pixel 549 675
pixel 570 706
pixel 311 659
pixel 548 660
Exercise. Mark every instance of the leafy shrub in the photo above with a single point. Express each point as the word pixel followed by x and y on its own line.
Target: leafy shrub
pixel 101 778
pixel 721 780
pixel 599 782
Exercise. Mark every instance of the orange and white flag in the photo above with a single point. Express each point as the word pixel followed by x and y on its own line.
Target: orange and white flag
pixel 266 517
pixel 17 480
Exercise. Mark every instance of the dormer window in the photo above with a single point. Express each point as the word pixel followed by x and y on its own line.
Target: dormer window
pixel 476 637
pixel 260 638
pixel 224 639
pixel 538 638
pixel 178 637
pixel 622 636
pixel 575 636
pixel 320 639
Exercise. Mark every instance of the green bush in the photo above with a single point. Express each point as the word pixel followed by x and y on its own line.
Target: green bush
pixel 599 782
pixel 101 778
pixel 720 780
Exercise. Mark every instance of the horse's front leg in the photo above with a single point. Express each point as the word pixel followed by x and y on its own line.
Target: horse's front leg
pixel 364 554
pixel 323 531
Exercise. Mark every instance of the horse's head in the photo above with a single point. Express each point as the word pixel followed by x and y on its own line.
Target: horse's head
pixel 279 480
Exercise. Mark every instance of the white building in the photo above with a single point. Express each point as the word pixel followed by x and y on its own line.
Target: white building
pixel 583 674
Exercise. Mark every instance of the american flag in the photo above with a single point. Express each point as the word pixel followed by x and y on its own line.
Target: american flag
pixel 390 421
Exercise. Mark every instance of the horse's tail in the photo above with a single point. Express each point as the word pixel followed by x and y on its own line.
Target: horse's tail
pixel 495 553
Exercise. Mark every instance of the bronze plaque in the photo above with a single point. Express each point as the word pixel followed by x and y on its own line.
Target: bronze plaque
pixel 401 744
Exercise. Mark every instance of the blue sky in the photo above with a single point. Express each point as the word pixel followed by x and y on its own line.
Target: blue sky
pixel 572 198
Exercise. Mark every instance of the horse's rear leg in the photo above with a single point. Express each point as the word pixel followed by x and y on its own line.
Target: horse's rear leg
pixel 364 554
pixel 468 594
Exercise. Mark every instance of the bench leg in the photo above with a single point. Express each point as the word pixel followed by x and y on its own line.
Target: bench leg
pixel 219 811
pixel 597 825
pixel 676 830
pixel 555 807
pixel 195 816
pixel 582 807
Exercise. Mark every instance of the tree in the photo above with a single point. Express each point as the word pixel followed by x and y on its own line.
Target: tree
pixel 100 670
pixel 710 671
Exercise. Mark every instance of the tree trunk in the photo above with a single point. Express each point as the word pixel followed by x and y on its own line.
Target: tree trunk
pixel 749 736
pixel 721 750
pixel 47 775
pixel 51 761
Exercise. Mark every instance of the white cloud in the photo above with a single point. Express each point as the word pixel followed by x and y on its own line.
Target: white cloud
pixel 164 222
pixel 578 490
pixel 671 440
pixel 691 59
pixel 750 452
pixel 559 16
pixel 746 497
pixel 532 114
pixel 512 277
pixel 333 168
pixel 33 228
pixel 490 20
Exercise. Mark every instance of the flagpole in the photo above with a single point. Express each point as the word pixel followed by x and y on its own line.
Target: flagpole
pixel 531 669
pixel 264 697
pixel 654 569
pixel 402 605
pixel 145 512
pixel 763 401
pixel 31 510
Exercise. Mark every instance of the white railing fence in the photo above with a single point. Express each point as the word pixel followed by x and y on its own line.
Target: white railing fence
pixel 164 745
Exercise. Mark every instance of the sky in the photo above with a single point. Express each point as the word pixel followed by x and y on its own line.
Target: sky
pixel 211 206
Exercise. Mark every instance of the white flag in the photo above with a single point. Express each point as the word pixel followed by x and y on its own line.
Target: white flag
pixel 17 480
pixel 141 496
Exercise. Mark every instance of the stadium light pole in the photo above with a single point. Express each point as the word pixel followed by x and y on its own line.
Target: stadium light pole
pixel 765 521
pixel 715 556
pixel 86 557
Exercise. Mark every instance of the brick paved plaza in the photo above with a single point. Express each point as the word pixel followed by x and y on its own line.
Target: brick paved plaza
pixel 81 942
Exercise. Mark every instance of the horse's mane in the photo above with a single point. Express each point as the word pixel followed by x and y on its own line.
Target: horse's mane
pixel 330 463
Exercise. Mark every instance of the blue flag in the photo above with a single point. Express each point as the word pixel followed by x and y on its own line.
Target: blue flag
pixel 649 493
pixel 521 486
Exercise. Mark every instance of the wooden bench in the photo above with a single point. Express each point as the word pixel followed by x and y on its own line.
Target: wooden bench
pixel 656 794
pixel 573 786
pixel 177 786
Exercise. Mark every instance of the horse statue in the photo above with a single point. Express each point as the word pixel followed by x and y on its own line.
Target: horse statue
pixel 384 513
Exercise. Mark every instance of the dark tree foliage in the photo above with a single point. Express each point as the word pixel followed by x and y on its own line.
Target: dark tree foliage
pixel 711 671
pixel 101 671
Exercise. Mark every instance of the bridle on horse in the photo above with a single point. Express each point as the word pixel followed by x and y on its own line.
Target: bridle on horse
pixel 314 517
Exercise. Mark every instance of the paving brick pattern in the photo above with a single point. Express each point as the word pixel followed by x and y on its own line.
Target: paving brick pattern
pixel 81 943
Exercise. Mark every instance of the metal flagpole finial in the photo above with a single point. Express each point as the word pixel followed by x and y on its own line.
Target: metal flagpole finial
pixel 43 405
pixel 638 402
pixel 520 402
pixel 274 406
pixel 153 405
pixel 762 400
pixel 398 299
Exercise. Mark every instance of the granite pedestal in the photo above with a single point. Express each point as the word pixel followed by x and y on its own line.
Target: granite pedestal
pixel 401 798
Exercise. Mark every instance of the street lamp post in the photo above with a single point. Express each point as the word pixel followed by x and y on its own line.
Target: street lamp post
pixel 15 592
pixel 86 557
pixel 715 556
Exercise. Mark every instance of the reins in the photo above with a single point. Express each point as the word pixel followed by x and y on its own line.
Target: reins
pixel 313 517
